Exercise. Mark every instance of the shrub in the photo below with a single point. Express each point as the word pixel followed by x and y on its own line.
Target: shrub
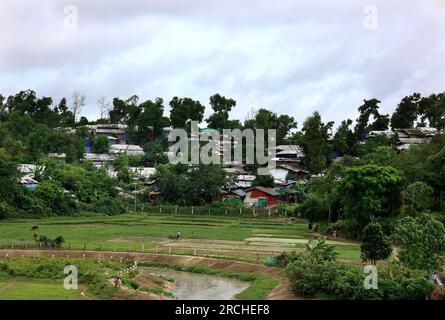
pixel 6 210
pixel 375 245
pixel 311 278
pixel 418 259
pixel 285 258
pixel 349 229
pixel 314 209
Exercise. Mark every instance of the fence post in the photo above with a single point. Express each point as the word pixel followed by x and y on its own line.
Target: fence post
pixel 192 209
pixel 240 211
pixel 176 209
pixel 143 248
pixel 169 250
pixel 69 246
pixel 84 247
pixel 225 213
pixel 12 245
pixel 160 209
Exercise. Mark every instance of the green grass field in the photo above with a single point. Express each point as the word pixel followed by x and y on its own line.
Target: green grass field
pixel 128 231
pixel 18 289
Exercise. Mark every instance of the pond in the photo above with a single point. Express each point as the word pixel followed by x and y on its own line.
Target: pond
pixel 196 286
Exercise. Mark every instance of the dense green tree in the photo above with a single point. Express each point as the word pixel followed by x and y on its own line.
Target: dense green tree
pixel 375 244
pixel 371 145
pixel 266 119
pixel 417 197
pixel 125 111
pixel 315 143
pixel 432 108
pixel 382 156
pixel 154 153
pixel 8 177
pixel 368 109
pixel 184 109
pixel 370 191
pixel 149 122
pixel 181 186
pixel 406 112
pixel 344 139
pixel 221 110
pixel 101 144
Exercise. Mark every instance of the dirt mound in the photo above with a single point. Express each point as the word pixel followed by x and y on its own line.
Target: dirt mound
pixel 149 281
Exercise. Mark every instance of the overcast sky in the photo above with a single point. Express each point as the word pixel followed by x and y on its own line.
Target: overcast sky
pixel 291 56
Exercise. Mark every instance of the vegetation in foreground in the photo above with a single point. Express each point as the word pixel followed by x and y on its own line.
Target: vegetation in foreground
pixel 36 270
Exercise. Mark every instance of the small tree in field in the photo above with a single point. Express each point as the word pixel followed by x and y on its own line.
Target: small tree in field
pixel 375 245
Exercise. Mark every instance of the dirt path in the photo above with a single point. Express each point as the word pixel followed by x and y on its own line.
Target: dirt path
pixel 6 287
pixel 280 292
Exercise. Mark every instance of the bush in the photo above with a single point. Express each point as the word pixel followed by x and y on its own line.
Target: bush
pixel 349 285
pixel 311 278
pixel 375 245
pixel 348 229
pixel 418 259
pixel 6 211
pixel 347 282
pixel 285 258
pixel 314 209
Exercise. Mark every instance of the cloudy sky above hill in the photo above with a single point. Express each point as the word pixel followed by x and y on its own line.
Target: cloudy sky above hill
pixel 292 56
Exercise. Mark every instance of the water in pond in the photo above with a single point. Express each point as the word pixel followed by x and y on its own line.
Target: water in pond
pixel 196 286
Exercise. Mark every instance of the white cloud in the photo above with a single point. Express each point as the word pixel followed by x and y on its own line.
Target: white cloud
pixel 294 57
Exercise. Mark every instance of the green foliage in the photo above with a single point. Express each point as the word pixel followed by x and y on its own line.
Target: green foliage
pixel 314 142
pixel 371 145
pixel 344 139
pixel 370 191
pixel 101 144
pixel 221 107
pixel 314 208
pixel 319 250
pixel 184 109
pixel 346 282
pixel 406 112
pixel 417 197
pixel 419 259
pixel 422 241
pixel 181 186
pixel 154 153
pixel 284 258
pixel 422 231
pixel 375 244
pixel 368 109
pixel 266 181
pixel 266 119
pixel 381 156
pixel 55 197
